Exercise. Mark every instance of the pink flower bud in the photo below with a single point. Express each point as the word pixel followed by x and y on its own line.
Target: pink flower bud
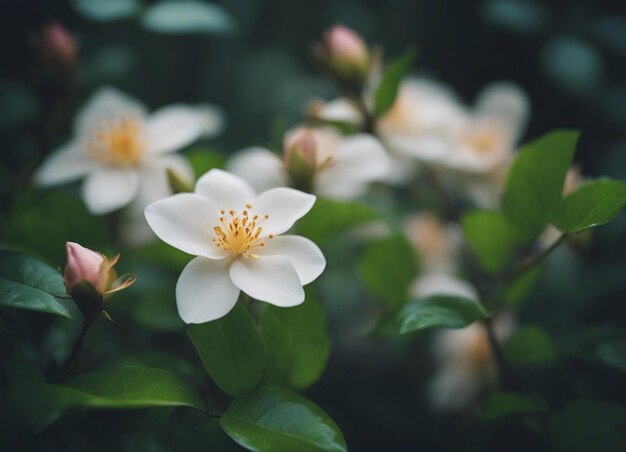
pixel 58 47
pixel 343 43
pixel 83 265
pixel 301 144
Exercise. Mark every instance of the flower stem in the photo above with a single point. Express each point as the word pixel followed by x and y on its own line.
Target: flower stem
pixel 505 372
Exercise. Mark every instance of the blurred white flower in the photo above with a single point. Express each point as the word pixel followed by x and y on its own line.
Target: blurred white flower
pixel 465 364
pixel 123 152
pixel 343 166
pixel 235 235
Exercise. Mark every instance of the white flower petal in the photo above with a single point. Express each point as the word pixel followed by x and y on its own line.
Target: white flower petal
pixel 225 191
pixel 109 188
pixel 204 291
pixel 305 255
pixel 284 206
pixel 68 163
pixel 260 167
pixel 505 103
pixel 428 148
pixel 173 127
pixel 154 183
pixel 436 283
pixel 186 221
pixel 212 119
pixel 106 104
pixel 272 279
pixel 341 109
pixel 359 160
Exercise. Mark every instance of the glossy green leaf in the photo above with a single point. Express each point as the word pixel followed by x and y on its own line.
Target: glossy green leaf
pixel 273 418
pixel 39 404
pixel 194 431
pixel 593 204
pixel 328 217
pixel 535 182
pixel 107 10
pixel 28 270
pixel 388 89
pixel 231 350
pixel 613 353
pixel 387 269
pixel 489 236
pixel 437 311
pixel 529 345
pixel 297 343
pixel 20 296
pixel 187 16
pixel 506 403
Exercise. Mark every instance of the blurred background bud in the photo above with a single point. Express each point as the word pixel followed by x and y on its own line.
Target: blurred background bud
pixel 56 50
pixel 300 157
pixel 345 54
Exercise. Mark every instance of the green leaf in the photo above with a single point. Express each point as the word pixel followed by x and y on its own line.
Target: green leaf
pixel 388 89
pixel 489 236
pixel 273 418
pixel 203 160
pixel 107 10
pixel 387 268
pixel 593 204
pixel 19 296
pixel 187 16
pixel 28 270
pixel 297 343
pixel 231 350
pixel 194 431
pixel 613 354
pixel 437 311
pixel 529 345
pixel 37 405
pixel 328 217
pixel 506 403
pixel 535 182
pixel 521 287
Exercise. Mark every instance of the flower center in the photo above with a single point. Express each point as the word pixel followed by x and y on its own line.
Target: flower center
pixel 240 233
pixel 119 142
pixel 483 140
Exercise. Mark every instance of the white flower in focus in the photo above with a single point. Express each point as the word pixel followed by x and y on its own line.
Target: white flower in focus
pixel 236 236
pixel 465 364
pixel 123 153
pixel 343 166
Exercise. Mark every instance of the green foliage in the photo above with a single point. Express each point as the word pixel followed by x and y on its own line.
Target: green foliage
pixel 388 89
pixel 193 431
pixel 387 268
pixel 529 345
pixel 328 217
pixel 273 418
pixel 489 236
pixel 46 222
pixel 593 204
pixel 231 350
pixel 519 289
pixel 187 16
pixel 36 405
pixel 436 311
pixel 501 404
pixel 297 343
pixel 203 160
pixel 27 283
pixel 585 424
pixel 535 183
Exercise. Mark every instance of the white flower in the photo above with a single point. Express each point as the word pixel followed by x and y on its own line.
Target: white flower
pixel 490 133
pixel 235 235
pixel 465 363
pixel 437 244
pixel 345 166
pixel 123 153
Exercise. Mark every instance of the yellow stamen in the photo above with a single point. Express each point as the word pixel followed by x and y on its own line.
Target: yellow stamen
pixel 118 142
pixel 240 234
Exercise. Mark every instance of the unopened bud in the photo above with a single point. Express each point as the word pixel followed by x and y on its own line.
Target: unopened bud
pixel 301 157
pixel 57 47
pixel 346 54
pixel 82 265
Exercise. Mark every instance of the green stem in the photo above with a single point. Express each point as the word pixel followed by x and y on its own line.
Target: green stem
pixel 505 372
